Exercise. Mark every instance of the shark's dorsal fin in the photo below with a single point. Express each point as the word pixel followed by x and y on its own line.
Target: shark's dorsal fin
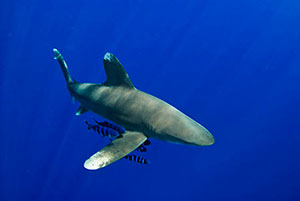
pixel 115 73
pixel 116 150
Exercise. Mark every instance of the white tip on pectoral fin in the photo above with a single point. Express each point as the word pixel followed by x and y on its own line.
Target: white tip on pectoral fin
pixel 116 150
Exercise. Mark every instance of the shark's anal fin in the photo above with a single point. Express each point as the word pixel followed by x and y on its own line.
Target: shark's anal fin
pixel 115 73
pixel 116 150
pixel 80 110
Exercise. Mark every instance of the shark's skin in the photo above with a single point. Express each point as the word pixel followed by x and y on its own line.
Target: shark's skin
pixel 136 111
pixel 139 111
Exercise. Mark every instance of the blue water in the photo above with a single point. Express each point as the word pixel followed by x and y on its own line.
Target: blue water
pixel 234 66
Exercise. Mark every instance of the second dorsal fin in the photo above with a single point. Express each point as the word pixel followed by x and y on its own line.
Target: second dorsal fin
pixel 115 73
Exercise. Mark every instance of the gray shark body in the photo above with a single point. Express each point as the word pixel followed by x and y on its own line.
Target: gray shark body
pixel 142 115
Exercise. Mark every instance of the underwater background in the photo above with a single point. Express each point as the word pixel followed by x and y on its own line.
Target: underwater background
pixel 233 66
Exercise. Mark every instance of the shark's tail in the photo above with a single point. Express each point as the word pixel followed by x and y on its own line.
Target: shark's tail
pixel 63 66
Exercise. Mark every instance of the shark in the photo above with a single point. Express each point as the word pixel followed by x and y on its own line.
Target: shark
pixel 142 115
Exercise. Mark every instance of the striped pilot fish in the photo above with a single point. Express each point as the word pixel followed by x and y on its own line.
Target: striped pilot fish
pixel 115 127
pixel 103 131
pixel 142 147
pixel 137 159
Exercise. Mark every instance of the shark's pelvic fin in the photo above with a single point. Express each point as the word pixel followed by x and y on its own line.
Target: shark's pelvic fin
pixel 116 74
pixel 80 110
pixel 116 150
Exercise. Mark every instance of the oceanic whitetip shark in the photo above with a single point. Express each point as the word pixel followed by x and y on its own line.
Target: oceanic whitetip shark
pixel 142 115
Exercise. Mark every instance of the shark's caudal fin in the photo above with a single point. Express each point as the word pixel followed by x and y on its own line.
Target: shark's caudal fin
pixel 63 66
pixel 116 74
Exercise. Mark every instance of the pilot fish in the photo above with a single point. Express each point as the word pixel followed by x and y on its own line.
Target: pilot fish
pixel 104 131
pixel 115 127
pixel 137 159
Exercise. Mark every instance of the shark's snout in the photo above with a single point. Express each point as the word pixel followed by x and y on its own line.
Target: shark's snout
pixel 210 139
pixel 205 138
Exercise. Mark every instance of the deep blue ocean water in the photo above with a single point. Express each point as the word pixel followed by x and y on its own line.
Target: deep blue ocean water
pixel 234 66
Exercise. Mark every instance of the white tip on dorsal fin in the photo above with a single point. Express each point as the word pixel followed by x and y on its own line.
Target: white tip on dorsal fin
pixel 115 73
pixel 108 56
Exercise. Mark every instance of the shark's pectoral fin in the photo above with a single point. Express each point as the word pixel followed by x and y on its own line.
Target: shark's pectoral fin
pixel 116 150
pixel 80 110
pixel 115 73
